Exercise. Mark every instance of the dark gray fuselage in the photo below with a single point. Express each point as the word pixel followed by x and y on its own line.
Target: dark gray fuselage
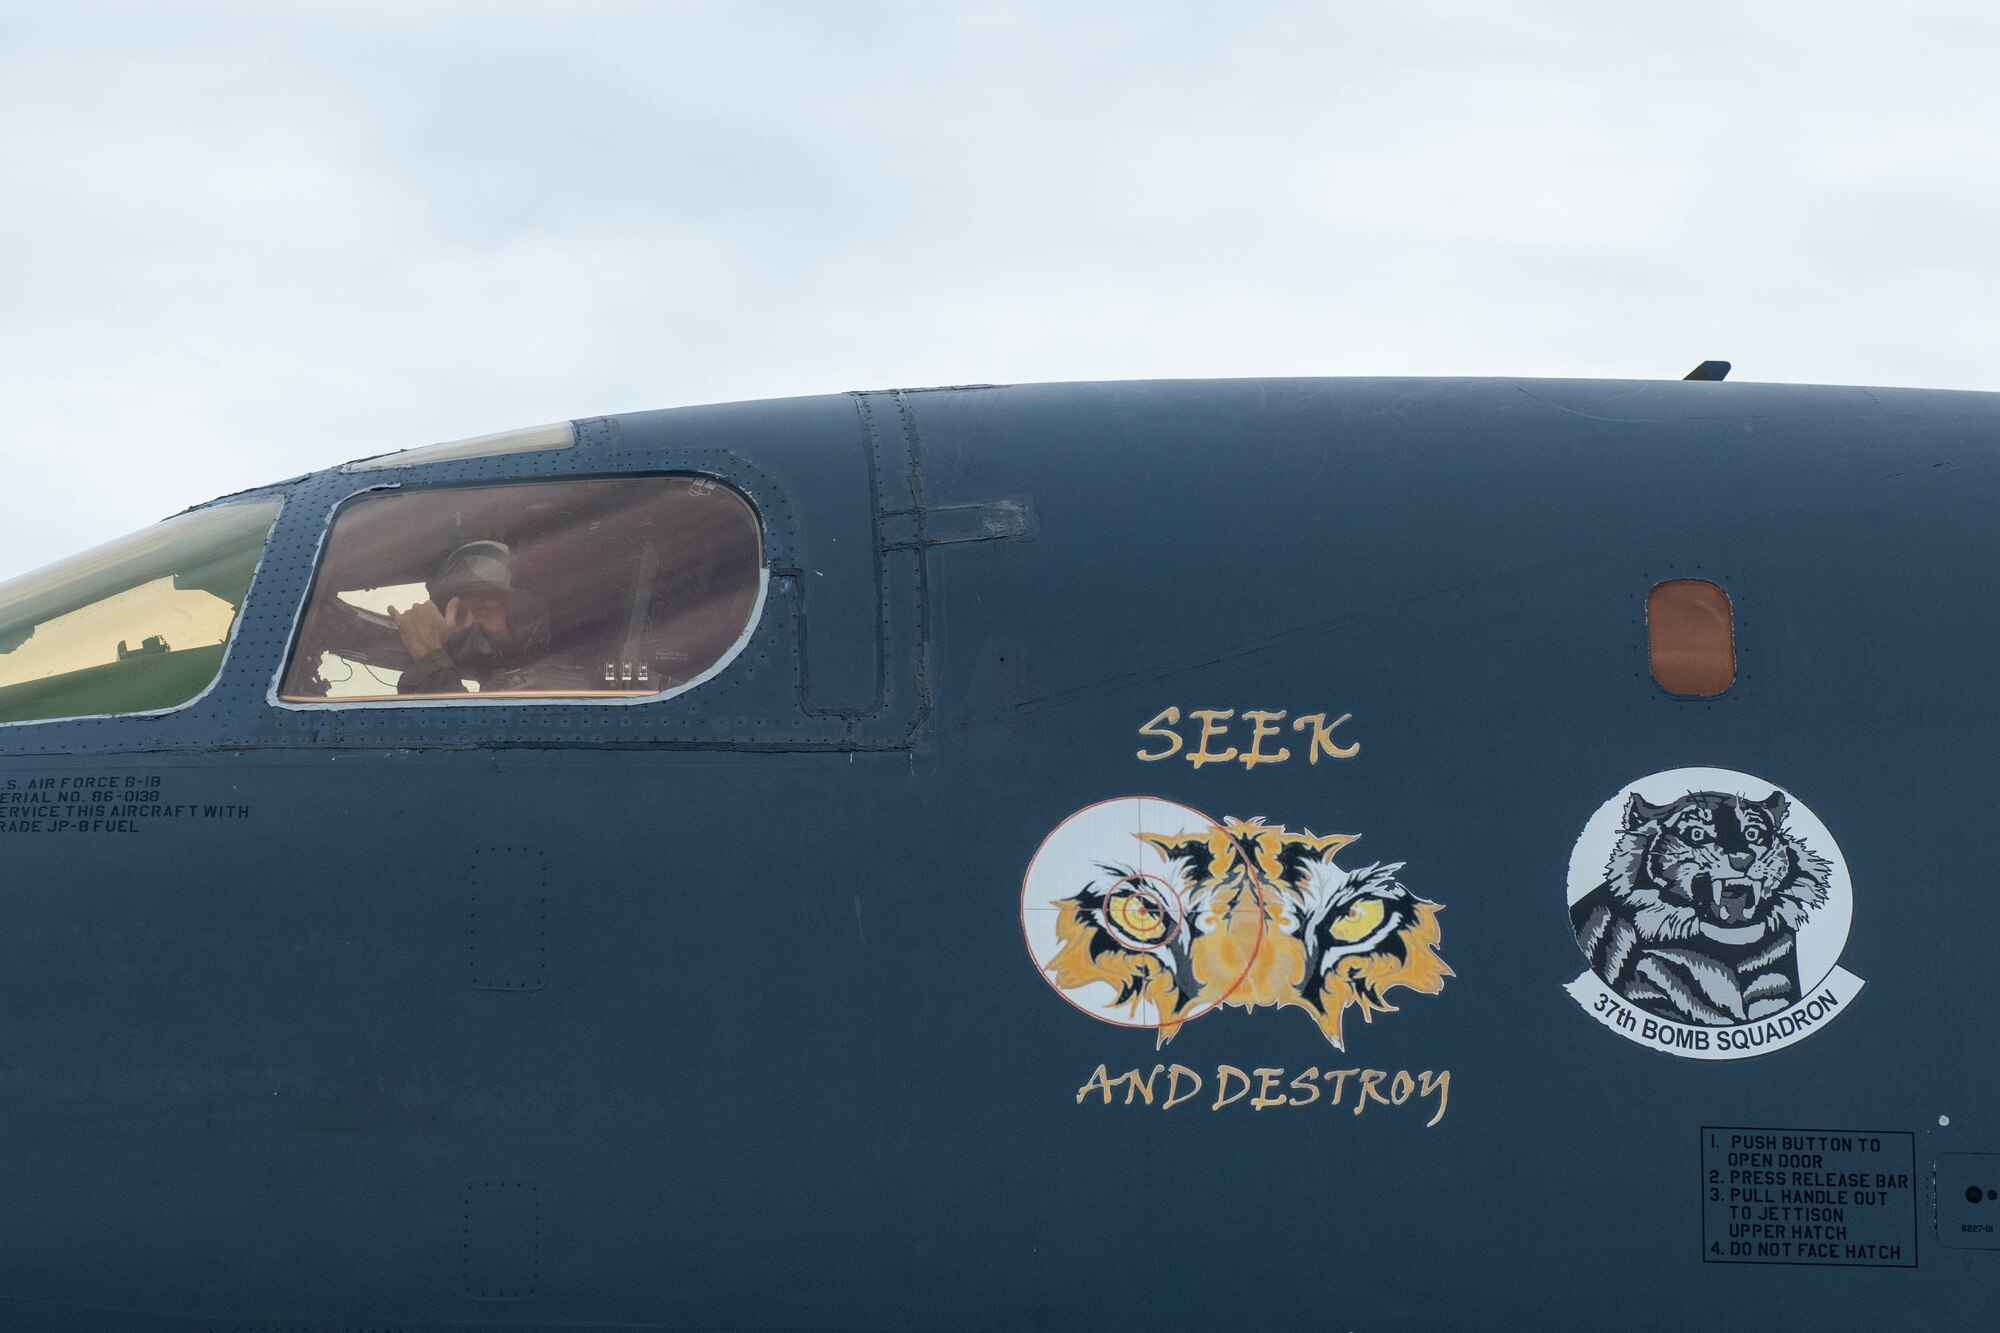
pixel 716 1012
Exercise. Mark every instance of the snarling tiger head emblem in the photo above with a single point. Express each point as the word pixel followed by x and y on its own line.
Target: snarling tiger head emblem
pixel 1247 915
pixel 1716 864
pixel 1700 907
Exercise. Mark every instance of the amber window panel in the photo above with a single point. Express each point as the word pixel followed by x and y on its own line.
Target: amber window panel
pixel 1691 636
pixel 638 586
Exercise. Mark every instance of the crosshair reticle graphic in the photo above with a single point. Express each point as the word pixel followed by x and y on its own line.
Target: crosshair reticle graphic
pixel 1146 913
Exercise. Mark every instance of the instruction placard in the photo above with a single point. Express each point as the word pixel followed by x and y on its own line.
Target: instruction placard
pixel 1808 1196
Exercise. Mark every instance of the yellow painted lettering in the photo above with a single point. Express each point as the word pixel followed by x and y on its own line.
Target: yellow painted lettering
pixel 1262 725
pixel 1339 1077
pixel 1304 1083
pixel 1441 1085
pixel 1265 1078
pixel 1102 1081
pixel 1222 1077
pixel 1143 1089
pixel 1211 720
pixel 1154 728
pixel 1322 737
pixel 1174 1094
pixel 1400 1087
pixel 1371 1080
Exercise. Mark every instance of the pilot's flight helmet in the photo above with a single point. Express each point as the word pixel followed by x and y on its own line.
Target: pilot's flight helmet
pixel 476 567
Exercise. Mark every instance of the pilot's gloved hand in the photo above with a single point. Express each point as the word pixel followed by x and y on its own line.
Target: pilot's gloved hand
pixel 424 630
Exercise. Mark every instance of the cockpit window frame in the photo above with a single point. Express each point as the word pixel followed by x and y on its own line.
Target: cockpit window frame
pixel 549 438
pixel 238 617
pixel 274 694
pixel 834 485
pixel 229 641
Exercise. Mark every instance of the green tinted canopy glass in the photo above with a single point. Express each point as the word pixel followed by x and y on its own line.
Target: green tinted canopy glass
pixel 138 625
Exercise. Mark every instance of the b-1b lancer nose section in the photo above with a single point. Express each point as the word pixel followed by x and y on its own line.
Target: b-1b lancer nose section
pixel 884 860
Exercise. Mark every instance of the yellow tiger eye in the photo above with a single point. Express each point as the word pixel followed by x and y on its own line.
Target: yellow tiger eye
pixel 1136 916
pixel 1359 920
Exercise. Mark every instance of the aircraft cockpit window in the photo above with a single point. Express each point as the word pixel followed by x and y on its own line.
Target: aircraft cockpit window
pixel 614 589
pixel 1692 637
pixel 139 625
pixel 527 440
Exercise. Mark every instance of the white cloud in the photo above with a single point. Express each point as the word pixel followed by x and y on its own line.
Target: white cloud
pixel 238 242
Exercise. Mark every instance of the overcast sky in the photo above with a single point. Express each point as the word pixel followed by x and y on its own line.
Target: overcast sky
pixel 240 241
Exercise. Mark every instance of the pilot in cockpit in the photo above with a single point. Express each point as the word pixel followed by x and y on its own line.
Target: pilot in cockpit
pixel 479 627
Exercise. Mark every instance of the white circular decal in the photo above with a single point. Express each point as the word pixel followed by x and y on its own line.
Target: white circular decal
pixel 1712 908
pixel 1113 852
pixel 1148 914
